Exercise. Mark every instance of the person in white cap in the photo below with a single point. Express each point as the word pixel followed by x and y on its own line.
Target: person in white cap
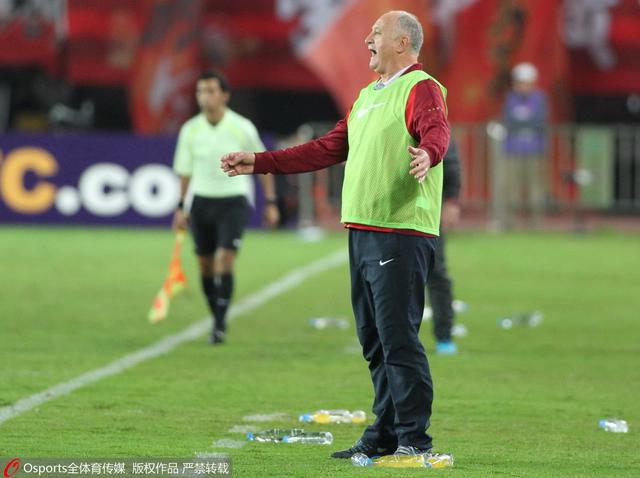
pixel 525 115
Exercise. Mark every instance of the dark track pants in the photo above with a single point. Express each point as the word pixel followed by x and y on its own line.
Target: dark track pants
pixel 388 276
pixel 440 289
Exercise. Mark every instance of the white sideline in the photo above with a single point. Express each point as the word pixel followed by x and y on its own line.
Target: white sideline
pixel 167 344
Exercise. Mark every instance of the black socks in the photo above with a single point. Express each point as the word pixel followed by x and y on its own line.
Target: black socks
pixel 209 290
pixel 224 291
pixel 218 291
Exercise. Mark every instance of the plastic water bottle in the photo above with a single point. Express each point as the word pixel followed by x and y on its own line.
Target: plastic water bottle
pixel 310 438
pixel 360 459
pixel 321 323
pixel 459 330
pixel 614 425
pixel 334 416
pixel 401 461
pixel 459 307
pixel 522 320
pixel 427 314
pixel 439 460
pixel 274 435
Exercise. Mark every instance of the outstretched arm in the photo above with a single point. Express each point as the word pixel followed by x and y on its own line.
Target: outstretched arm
pixel 330 149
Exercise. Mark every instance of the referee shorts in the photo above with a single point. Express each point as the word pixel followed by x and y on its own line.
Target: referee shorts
pixel 218 223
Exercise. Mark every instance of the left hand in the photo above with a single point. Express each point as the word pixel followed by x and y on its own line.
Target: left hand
pixel 180 220
pixel 271 215
pixel 420 163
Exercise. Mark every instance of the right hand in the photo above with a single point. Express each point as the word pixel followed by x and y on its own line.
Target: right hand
pixel 179 220
pixel 235 164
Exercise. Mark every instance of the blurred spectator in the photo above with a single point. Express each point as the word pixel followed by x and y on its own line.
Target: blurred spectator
pixel 525 115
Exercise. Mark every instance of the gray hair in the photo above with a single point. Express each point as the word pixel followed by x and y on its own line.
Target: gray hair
pixel 408 24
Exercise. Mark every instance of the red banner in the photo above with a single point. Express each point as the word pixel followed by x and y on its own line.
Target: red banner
pixel 252 44
pixel 338 54
pixel 29 39
pixel 166 67
pixel 155 47
pixel 102 40
pixel 604 41
pixel 470 46
pixel 473 50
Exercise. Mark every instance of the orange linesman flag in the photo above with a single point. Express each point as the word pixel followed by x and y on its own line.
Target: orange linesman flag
pixel 175 281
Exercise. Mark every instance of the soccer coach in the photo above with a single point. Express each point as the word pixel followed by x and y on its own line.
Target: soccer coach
pixel 393 140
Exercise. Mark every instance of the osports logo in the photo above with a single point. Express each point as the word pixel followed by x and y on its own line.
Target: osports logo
pixel 11 468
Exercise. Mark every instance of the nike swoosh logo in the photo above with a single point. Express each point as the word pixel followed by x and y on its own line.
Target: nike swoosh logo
pixel 364 111
pixel 385 262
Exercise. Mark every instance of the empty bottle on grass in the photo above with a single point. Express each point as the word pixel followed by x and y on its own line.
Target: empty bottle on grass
pixel 360 459
pixel 459 307
pixel 459 330
pixel 274 435
pixel 334 416
pixel 310 438
pixel 436 460
pixel 291 435
pixel 321 323
pixel 614 425
pixel 532 319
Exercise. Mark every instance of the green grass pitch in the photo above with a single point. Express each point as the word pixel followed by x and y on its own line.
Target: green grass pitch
pixel 523 402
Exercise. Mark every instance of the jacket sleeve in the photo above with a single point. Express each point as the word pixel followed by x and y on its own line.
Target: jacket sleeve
pixel 330 149
pixel 426 119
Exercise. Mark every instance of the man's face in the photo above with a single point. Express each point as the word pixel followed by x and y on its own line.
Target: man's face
pixel 210 96
pixel 382 44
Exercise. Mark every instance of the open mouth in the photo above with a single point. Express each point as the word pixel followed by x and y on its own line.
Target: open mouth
pixel 372 51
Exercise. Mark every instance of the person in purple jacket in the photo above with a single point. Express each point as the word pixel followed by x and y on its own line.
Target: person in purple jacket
pixel 525 116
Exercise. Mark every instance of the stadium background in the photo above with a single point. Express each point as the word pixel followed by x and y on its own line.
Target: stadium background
pixel 126 70
pixel 91 95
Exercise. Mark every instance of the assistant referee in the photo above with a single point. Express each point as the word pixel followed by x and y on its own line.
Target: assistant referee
pixel 220 209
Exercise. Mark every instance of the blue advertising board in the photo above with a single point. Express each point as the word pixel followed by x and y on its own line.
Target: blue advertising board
pixel 91 179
